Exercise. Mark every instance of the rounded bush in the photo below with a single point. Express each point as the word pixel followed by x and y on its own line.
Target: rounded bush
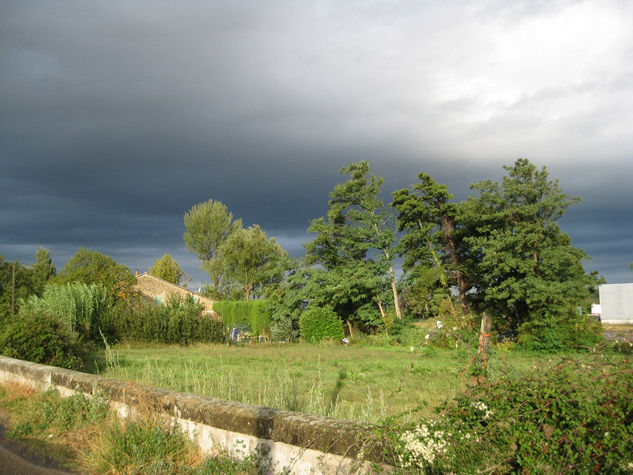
pixel 318 324
pixel 41 338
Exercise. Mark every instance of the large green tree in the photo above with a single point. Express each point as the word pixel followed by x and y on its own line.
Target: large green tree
pixel 16 284
pixel 353 246
pixel 92 267
pixel 207 227
pixel 253 260
pixel 43 269
pixel 526 269
pixel 433 241
pixel 167 268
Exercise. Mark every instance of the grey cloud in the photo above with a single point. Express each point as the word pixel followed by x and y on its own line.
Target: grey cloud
pixel 116 118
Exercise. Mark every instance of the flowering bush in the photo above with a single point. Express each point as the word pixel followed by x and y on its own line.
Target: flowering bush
pixel 572 418
pixel 419 446
pixel 576 417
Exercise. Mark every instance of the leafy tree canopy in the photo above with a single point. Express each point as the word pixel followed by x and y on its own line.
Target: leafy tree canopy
pixel 16 284
pixel 526 267
pixel 253 260
pixel 432 238
pixel 92 267
pixel 353 244
pixel 208 225
pixel 167 268
pixel 43 269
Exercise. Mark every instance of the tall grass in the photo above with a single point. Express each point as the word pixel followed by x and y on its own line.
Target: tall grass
pixel 358 383
pixel 83 435
pixel 353 382
pixel 76 304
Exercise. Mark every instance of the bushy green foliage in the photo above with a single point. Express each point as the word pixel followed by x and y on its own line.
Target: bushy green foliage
pixel 179 321
pixel 525 267
pixel 254 313
pixel 41 338
pixel 560 333
pixel 349 257
pixel 253 261
pixel 43 269
pixel 208 225
pixel 573 418
pixel 77 305
pixel 432 244
pixel 320 323
pixel 246 463
pixel 14 287
pixel 168 269
pixel 92 267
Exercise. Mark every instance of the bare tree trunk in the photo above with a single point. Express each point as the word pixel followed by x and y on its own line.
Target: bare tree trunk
pixel 247 290
pixel 392 275
pixel 394 287
pixel 349 327
pixel 394 290
pixel 382 310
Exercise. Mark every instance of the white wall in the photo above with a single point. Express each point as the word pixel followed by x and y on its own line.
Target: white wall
pixel 616 301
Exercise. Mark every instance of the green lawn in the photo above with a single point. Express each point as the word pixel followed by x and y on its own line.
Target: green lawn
pixel 352 382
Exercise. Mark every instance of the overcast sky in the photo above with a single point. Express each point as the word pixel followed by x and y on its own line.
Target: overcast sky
pixel 116 117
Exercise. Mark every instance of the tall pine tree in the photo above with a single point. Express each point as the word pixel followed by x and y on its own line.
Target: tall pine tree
pixel 354 244
pixel 526 268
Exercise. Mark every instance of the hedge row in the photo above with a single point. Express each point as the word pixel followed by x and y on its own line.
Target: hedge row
pixel 178 321
pixel 254 313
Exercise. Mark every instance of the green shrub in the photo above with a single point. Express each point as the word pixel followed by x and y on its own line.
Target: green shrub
pixel 254 313
pixel 179 321
pixel 183 316
pixel 41 338
pixel 77 305
pixel 209 330
pixel 320 323
pixel 560 333
pixel 282 329
pixel 621 346
pixel 574 418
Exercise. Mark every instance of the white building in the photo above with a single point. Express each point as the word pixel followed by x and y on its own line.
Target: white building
pixel 616 302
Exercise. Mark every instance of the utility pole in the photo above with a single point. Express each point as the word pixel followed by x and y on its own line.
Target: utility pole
pixel 13 290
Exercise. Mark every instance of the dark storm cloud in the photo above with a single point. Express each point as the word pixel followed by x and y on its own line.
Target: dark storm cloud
pixel 116 118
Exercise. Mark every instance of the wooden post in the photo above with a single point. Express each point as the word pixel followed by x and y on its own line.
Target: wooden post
pixel 484 333
pixel 484 342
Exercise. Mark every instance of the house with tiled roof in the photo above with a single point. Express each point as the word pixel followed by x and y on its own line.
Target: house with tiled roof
pixel 160 291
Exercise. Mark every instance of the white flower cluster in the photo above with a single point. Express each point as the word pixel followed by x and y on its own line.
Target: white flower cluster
pixel 481 406
pixel 422 445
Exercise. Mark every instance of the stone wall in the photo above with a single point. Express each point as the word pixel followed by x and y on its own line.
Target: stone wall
pixel 298 442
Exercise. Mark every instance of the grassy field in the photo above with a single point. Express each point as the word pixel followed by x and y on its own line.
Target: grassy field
pixel 353 382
